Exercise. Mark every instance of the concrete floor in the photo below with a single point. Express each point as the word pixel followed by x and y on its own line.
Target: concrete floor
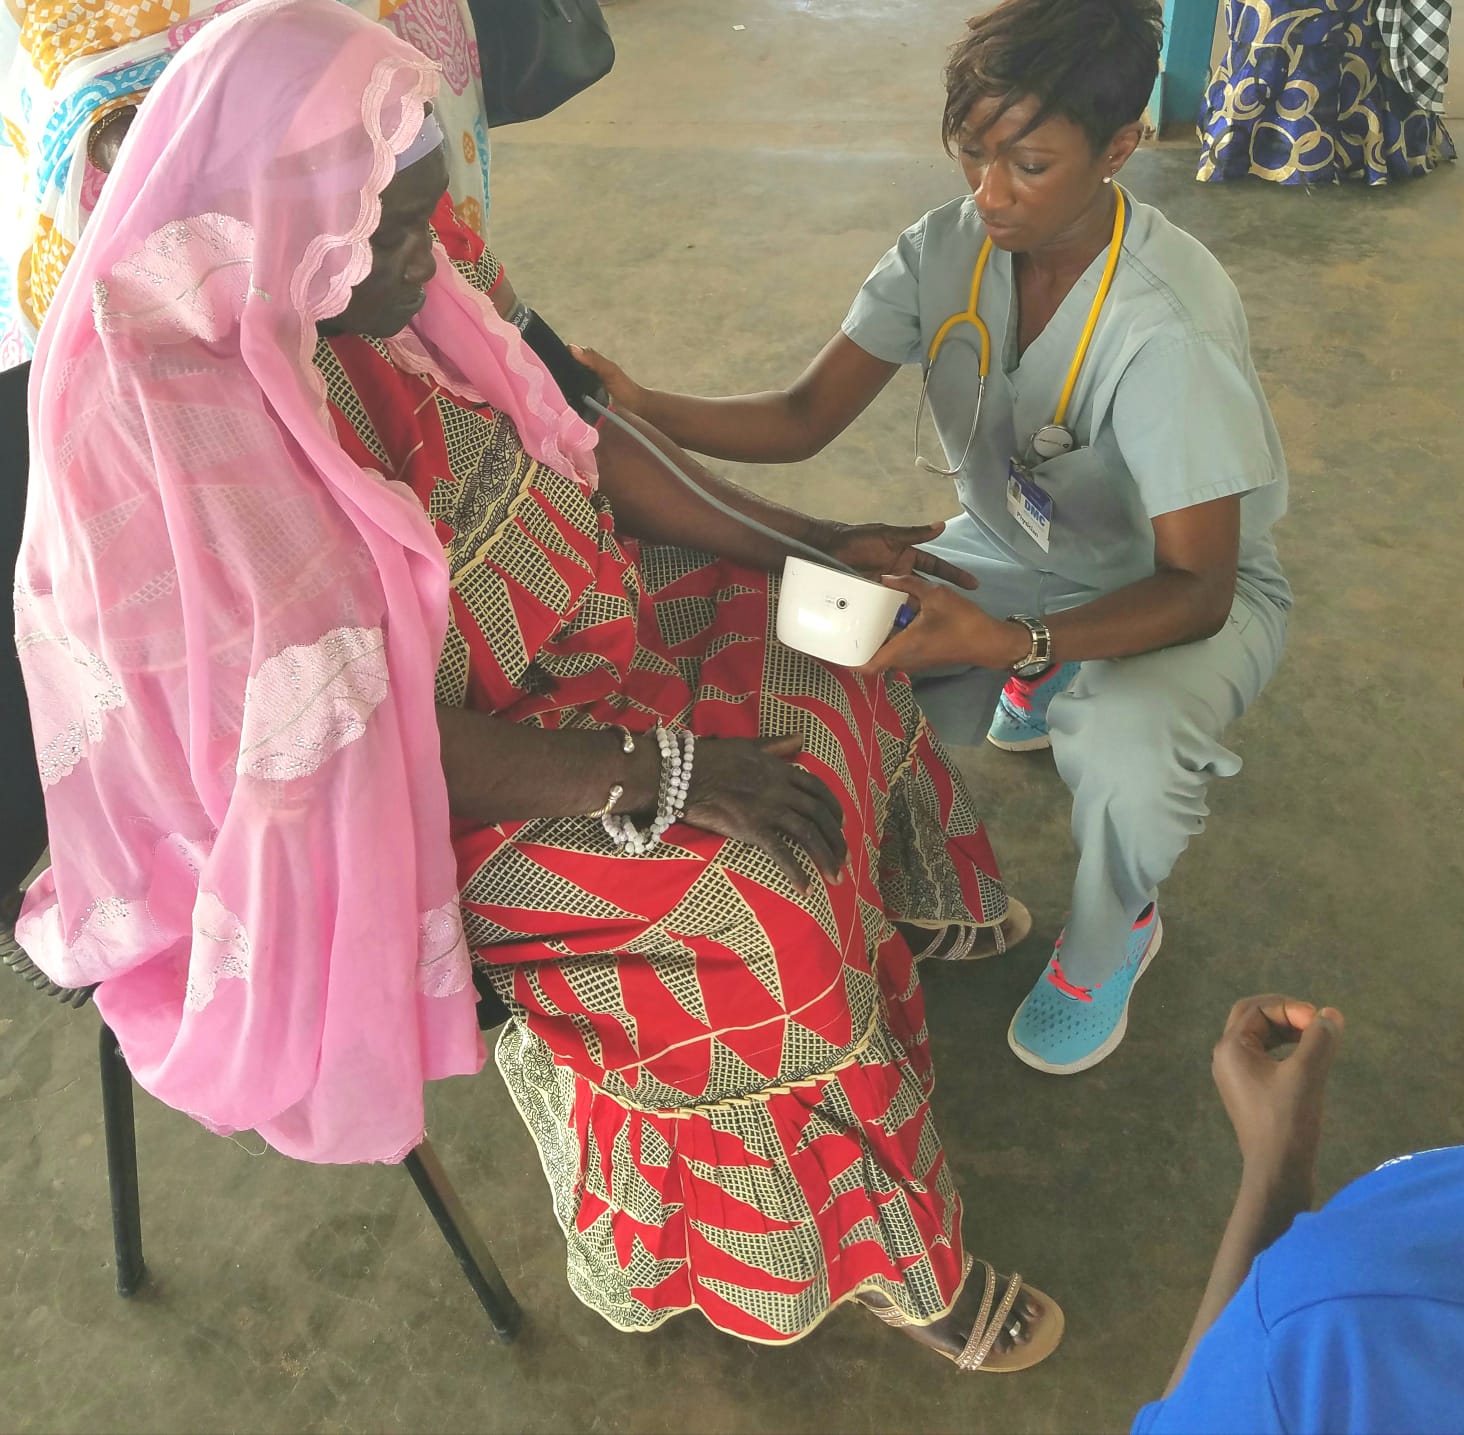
pixel 705 216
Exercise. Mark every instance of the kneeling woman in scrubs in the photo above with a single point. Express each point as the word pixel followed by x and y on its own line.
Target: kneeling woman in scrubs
pixel 1089 379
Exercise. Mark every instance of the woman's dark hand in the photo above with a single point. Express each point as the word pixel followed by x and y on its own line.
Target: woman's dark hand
pixel 875 549
pixel 748 788
pixel 626 395
pixel 1275 1104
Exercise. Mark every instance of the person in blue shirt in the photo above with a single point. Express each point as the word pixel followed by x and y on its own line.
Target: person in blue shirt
pixel 1346 1322
pixel 1088 386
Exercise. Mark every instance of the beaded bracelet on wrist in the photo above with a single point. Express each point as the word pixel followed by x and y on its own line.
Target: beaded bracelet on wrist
pixel 677 749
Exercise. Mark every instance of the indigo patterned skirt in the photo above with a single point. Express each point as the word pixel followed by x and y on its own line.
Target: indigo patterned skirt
pixel 1305 95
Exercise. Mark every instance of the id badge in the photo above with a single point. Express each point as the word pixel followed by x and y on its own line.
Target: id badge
pixel 1029 504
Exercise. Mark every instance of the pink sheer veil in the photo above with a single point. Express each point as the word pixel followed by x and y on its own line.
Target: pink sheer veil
pixel 228 629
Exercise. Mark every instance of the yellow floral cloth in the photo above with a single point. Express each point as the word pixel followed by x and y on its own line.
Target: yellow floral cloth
pixel 65 63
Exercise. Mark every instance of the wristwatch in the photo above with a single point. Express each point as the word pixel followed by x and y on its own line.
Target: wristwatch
pixel 1040 658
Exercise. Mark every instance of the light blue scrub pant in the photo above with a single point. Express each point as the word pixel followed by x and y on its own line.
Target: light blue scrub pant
pixel 1136 740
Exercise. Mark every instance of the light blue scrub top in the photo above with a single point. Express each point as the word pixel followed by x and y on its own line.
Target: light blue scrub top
pixel 1168 411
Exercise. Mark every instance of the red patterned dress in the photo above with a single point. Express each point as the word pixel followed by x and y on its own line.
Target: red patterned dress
pixel 728 1082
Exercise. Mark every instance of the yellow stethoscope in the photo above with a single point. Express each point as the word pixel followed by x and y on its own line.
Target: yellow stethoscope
pixel 1054 438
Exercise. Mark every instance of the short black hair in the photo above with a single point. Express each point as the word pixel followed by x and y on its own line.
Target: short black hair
pixel 1093 62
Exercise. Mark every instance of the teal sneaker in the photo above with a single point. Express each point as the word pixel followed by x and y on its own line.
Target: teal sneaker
pixel 1062 1028
pixel 1020 724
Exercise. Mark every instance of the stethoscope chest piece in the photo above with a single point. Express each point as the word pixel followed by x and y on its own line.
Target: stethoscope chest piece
pixel 1052 441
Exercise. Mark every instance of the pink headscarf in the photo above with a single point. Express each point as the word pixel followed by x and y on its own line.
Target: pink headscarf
pixel 229 630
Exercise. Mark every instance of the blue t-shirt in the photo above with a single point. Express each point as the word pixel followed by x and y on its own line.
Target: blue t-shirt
pixel 1352 1322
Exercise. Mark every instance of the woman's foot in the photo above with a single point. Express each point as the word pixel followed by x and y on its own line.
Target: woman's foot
pixel 1032 1320
pixel 959 943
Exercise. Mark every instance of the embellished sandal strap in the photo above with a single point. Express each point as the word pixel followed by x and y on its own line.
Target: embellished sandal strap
pixel 978 1325
pixel 886 1313
pixel 963 946
pixel 983 1333
pixel 953 943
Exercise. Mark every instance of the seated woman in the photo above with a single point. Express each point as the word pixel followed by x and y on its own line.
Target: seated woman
pixel 1089 387
pixel 289 464
pixel 71 80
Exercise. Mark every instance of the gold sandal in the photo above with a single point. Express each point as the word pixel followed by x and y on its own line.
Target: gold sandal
pixel 973 944
pixel 976 1354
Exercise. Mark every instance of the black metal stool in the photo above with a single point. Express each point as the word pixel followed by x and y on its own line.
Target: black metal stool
pixel 422 1164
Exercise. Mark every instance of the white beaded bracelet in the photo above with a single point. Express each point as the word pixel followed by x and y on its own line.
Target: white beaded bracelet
pixel 677 751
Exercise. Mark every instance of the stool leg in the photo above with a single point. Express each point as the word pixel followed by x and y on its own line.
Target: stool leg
pixel 121 1164
pixel 467 1245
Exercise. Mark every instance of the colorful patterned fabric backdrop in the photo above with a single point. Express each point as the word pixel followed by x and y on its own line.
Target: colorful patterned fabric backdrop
pixel 65 63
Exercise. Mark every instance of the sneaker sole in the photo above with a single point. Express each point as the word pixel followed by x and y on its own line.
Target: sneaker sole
pixel 1023 744
pixel 1115 1037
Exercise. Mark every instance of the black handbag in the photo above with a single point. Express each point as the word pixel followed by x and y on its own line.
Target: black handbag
pixel 536 54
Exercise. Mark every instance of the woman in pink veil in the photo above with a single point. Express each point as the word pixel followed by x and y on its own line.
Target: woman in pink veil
pixel 225 719
pixel 354 655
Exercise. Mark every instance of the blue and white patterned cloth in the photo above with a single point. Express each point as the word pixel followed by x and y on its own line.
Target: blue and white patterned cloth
pixel 65 62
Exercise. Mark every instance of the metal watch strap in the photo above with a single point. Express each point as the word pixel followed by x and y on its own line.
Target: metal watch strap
pixel 1039 659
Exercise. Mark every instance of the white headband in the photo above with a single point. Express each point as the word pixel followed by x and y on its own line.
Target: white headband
pixel 429 138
